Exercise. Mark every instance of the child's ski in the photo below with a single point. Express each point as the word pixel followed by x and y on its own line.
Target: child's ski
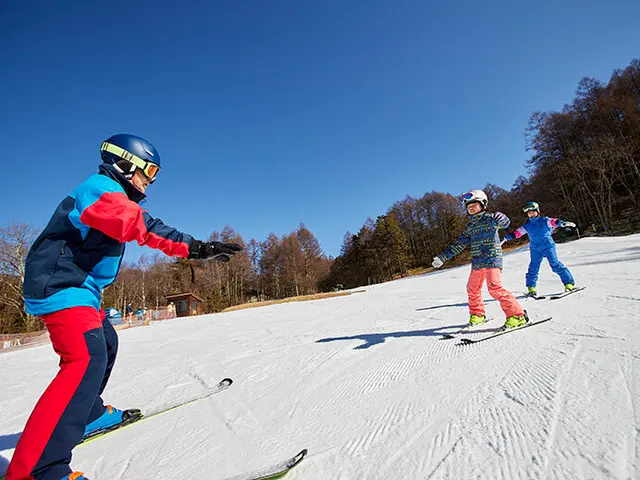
pixel 564 294
pixel 467 341
pixel 465 329
pixel 276 471
pixel 221 386
pixel 535 296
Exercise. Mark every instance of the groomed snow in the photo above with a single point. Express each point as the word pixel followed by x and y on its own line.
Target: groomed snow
pixel 365 383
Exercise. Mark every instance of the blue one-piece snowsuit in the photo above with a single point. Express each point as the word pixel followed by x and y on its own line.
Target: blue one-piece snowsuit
pixel 541 246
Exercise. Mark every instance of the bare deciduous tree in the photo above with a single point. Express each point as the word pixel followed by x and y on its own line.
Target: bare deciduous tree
pixel 15 241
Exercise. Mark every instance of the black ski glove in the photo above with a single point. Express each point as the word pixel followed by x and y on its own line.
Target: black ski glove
pixel 216 250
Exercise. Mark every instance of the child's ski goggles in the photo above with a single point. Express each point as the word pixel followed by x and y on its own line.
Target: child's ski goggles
pixel 149 169
pixel 530 207
pixel 466 197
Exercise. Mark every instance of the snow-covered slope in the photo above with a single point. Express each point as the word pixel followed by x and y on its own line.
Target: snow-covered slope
pixel 365 383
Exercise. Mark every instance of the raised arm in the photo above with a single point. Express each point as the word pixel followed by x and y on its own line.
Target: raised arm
pixel 103 207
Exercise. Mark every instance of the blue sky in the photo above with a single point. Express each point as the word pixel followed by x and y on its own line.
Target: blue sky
pixel 271 113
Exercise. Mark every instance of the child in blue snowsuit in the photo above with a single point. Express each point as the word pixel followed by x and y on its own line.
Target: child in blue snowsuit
pixel 541 246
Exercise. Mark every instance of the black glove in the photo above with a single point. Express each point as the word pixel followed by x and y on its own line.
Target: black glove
pixel 217 250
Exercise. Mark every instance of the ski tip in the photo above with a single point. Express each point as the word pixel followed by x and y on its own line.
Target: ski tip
pixel 296 459
pixel 226 381
pixel 564 294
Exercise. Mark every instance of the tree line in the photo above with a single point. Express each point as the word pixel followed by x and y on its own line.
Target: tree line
pixel 584 167
pixel 278 267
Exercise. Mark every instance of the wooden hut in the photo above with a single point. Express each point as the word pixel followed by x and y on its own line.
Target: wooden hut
pixel 187 304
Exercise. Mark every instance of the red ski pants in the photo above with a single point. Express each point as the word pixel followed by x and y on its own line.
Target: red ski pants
pixel 493 277
pixel 87 345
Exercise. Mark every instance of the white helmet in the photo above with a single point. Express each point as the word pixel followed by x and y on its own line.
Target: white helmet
pixel 475 196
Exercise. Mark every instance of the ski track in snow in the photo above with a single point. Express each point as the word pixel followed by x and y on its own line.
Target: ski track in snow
pixel 367 385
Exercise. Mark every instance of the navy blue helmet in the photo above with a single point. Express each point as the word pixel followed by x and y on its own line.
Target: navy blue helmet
pixel 129 152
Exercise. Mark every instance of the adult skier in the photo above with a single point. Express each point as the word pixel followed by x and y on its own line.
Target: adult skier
pixel 481 233
pixel 76 256
pixel 541 246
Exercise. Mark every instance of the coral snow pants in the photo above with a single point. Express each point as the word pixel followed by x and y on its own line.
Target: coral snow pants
pixel 508 302
pixel 87 345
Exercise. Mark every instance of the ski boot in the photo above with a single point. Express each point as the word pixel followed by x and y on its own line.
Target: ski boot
pixel 475 320
pixel 111 419
pixel 569 287
pixel 531 291
pixel 75 476
pixel 514 321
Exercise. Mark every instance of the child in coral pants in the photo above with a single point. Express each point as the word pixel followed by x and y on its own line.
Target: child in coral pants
pixel 481 234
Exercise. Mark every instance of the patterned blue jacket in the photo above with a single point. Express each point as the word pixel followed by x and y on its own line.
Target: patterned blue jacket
pixel 482 234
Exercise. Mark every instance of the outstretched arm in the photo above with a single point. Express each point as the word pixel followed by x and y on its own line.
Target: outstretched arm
pixel 556 222
pixel 517 233
pixel 110 211
pixel 124 220
pixel 455 248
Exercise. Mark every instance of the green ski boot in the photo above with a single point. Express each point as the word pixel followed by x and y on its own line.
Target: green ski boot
pixel 476 320
pixel 514 321
pixel 569 287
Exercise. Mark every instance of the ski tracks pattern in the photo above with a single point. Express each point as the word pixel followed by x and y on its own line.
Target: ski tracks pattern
pixel 542 425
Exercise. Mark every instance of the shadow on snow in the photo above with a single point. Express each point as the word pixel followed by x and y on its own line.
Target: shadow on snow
pixel 371 339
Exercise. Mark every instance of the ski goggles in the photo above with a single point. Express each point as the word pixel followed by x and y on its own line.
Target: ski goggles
pixel 531 207
pixel 149 169
pixel 471 197
pixel 466 198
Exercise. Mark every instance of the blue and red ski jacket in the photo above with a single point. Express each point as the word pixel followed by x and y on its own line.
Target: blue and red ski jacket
pixel 80 250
